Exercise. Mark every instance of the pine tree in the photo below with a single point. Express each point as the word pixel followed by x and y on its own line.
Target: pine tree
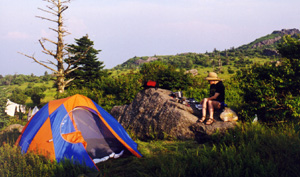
pixel 88 69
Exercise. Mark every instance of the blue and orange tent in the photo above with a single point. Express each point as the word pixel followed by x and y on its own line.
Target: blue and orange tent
pixel 76 128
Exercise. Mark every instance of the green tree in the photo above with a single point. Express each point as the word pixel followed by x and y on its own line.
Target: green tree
pixel 18 96
pixel 290 47
pixel 88 69
pixel 46 76
pixel 36 94
pixel 3 101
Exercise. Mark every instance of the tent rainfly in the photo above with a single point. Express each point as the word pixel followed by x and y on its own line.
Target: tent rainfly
pixel 76 128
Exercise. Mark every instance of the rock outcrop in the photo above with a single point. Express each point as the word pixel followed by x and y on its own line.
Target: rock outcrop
pixel 287 32
pixel 155 114
pixel 141 61
pixel 267 42
pixel 13 127
pixel 281 33
pixel 270 52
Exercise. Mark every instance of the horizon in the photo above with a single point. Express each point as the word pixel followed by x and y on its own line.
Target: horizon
pixel 128 28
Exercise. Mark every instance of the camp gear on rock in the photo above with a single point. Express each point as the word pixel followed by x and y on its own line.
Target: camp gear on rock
pixel 151 84
pixel 228 115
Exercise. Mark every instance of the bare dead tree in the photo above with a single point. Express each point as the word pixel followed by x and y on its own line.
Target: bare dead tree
pixel 57 8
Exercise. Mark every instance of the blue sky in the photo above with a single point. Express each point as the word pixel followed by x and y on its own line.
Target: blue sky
pixel 128 28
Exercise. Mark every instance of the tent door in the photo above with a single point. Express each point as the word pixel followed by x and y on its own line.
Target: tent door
pixel 100 141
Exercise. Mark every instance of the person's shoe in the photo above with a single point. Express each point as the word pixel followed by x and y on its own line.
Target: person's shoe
pixel 201 120
pixel 209 121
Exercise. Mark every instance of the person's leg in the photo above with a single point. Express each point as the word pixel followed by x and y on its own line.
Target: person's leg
pixel 212 105
pixel 204 107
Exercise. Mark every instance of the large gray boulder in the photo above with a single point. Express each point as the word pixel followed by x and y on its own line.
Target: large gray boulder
pixel 155 114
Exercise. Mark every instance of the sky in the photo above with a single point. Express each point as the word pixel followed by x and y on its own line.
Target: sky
pixel 122 29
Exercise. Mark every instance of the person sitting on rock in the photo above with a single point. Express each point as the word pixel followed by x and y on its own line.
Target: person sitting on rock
pixel 216 99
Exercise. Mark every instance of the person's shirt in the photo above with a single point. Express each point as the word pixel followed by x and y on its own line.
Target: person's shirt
pixel 219 88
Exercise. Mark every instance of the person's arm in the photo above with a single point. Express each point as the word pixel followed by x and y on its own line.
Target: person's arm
pixel 212 97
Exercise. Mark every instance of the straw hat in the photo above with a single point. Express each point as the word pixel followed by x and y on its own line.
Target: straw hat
pixel 212 76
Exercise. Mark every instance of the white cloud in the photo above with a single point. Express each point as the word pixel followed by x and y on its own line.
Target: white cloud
pixel 46 34
pixel 76 25
pixel 16 35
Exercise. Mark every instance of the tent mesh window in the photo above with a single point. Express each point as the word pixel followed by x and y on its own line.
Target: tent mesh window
pixel 100 141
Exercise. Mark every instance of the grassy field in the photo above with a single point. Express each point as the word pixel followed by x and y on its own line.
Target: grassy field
pixel 50 92
pixel 247 150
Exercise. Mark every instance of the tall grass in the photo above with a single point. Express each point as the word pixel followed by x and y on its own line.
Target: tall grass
pixel 247 150
pixel 13 163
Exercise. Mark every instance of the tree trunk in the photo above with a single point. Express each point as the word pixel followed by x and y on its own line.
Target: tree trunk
pixel 59 52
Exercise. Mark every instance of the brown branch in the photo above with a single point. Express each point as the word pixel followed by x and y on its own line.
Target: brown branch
pixel 66 34
pixel 44 18
pixel 52 1
pixel 66 1
pixel 48 11
pixel 52 8
pixel 64 8
pixel 49 62
pixel 32 57
pixel 46 39
pixel 46 50
pixel 68 71
pixel 62 31
pixel 68 81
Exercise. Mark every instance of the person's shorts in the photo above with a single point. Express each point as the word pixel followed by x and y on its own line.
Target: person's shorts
pixel 223 105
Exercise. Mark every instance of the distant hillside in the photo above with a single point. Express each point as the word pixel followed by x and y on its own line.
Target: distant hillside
pixel 261 48
pixel 270 40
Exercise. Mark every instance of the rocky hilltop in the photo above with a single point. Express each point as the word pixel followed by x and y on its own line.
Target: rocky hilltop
pixel 287 32
pixel 276 37
pixel 155 114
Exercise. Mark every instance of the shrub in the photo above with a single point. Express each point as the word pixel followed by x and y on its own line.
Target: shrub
pixel 268 90
pixel 36 94
pixel 110 91
pixel 18 96
pixel 167 76
pixel 272 90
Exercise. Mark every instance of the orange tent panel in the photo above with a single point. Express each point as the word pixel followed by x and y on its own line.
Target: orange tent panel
pixel 44 140
pixel 74 137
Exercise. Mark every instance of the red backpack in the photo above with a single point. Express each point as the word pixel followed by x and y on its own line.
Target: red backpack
pixel 151 84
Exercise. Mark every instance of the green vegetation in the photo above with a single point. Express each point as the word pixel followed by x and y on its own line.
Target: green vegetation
pixel 255 84
pixel 272 90
pixel 247 150
pixel 14 163
pixel 269 36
